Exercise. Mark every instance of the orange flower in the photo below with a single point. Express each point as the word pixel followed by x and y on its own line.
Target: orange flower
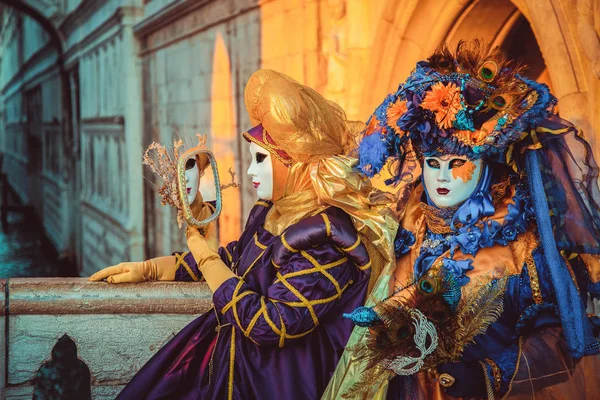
pixel 444 101
pixel 476 138
pixel 370 129
pixel 394 112
pixel 464 172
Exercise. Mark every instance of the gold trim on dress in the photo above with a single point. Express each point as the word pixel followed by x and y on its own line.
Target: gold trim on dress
pixel 534 280
pixel 286 244
pixel 181 261
pixel 354 246
pixel 327 223
pixel 488 383
pixel 231 364
pixel 496 372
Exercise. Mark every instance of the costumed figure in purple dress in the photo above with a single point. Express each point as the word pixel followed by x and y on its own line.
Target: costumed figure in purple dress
pixel 305 257
pixel 497 250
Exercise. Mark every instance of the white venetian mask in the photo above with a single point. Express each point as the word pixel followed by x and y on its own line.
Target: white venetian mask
pixel 192 175
pixel 261 171
pixel 450 179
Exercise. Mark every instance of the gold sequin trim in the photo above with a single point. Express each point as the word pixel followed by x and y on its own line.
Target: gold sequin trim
pixel 534 280
pixel 570 270
pixel 262 203
pixel 496 372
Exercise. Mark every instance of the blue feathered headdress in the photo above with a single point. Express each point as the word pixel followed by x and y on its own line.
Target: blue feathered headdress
pixel 472 103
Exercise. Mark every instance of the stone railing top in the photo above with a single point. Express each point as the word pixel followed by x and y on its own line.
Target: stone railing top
pixel 79 296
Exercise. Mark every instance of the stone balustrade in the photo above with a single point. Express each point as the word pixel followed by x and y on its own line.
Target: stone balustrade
pixel 116 328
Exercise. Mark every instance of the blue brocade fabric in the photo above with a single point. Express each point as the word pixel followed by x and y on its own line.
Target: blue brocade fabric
pixel 276 330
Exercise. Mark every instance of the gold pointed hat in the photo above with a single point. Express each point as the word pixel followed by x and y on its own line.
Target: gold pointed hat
pixel 297 122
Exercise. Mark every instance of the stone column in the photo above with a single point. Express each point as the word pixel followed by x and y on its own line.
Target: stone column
pixel 133 113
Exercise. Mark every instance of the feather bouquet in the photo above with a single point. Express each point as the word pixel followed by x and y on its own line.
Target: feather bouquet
pixel 163 164
pixel 427 323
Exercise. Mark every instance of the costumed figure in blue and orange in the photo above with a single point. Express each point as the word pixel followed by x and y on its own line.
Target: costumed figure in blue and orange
pixel 498 244
pixel 305 257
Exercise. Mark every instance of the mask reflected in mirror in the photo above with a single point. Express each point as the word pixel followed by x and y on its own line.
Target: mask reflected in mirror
pixel 192 175
pixel 450 179
pixel 261 171
pixel 192 168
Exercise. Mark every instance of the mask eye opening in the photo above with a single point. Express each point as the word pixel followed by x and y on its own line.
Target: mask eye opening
pixel 260 157
pixel 190 163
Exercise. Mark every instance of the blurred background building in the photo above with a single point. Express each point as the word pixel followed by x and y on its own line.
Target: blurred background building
pixel 86 85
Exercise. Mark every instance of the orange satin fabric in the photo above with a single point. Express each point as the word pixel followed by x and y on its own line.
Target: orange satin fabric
pixel 496 260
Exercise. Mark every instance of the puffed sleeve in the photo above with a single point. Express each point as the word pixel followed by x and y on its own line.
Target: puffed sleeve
pixel 315 263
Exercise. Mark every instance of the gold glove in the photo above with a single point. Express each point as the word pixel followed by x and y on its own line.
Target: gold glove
pixel 213 269
pixel 155 269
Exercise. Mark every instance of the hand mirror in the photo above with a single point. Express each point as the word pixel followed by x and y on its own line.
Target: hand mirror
pixel 191 168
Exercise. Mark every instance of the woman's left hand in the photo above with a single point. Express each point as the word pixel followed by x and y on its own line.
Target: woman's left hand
pixel 192 231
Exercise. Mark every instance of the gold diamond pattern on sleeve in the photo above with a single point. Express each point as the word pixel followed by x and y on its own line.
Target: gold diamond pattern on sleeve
pixel 302 302
pixel 181 261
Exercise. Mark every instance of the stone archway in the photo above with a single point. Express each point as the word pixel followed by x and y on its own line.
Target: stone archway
pixel 411 29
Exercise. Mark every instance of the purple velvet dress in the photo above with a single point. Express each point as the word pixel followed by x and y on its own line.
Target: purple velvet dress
pixel 276 329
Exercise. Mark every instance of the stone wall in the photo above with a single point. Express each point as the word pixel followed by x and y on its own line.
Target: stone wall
pixel 116 328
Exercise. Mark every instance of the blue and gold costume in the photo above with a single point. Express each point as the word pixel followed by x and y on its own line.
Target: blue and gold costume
pixel 488 298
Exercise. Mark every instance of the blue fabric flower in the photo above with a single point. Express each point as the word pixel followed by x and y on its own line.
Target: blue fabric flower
pixel 404 239
pixel 467 240
pixel 459 269
pixel 509 233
